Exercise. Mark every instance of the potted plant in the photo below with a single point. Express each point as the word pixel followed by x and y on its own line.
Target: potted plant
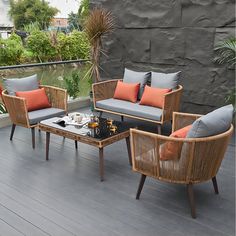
pixel 99 23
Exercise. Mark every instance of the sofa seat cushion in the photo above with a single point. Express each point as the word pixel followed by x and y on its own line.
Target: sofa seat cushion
pixel 130 108
pixel 43 114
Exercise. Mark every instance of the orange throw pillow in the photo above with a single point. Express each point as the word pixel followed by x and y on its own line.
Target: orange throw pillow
pixel 171 150
pixel 35 99
pixel 153 96
pixel 126 91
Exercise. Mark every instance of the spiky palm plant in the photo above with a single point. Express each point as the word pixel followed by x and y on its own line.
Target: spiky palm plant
pixel 99 23
pixel 226 52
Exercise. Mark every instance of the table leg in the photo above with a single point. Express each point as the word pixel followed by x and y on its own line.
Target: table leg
pixel 101 164
pixel 76 144
pixel 47 144
pixel 128 150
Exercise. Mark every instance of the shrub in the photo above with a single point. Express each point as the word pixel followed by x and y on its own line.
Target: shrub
pixel 73 46
pixel 11 50
pixel 39 44
pixel 72 84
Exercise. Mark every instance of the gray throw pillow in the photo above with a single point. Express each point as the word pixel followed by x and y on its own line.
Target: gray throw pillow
pixel 163 80
pixel 21 84
pixel 137 77
pixel 213 123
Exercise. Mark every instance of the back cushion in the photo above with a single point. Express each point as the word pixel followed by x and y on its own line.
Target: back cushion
pixel 35 99
pixel 128 92
pixel 213 123
pixel 137 77
pixel 163 80
pixel 21 84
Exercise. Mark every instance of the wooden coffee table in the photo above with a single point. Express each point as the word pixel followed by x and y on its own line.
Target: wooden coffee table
pixel 100 138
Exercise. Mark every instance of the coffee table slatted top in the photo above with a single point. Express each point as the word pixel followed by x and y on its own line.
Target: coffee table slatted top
pixel 99 137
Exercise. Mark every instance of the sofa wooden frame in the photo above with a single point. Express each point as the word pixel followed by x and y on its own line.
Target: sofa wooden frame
pixel 105 90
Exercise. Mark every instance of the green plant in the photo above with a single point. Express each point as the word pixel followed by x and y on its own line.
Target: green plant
pixel 99 23
pixel 33 26
pixel 72 84
pixel 40 45
pixel 2 109
pixel 25 12
pixel 73 46
pixel 11 50
pixel 226 52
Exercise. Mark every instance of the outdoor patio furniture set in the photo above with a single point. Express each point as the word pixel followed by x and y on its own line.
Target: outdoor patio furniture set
pixel 191 154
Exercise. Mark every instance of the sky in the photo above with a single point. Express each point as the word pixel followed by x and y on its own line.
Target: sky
pixel 65 7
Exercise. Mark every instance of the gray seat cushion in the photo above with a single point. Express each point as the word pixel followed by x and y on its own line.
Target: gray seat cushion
pixel 129 108
pixel 43 114
pixel 21 84
pixel 137 77
pixel 213 123
pixel 163 80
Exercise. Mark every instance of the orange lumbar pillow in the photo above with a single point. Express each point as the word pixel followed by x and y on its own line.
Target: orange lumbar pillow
pixel 171 150
pixel 153 96
pixel 35 99
pixel 126 91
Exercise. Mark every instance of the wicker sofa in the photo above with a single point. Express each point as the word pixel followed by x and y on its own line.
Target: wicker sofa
pixel 104 102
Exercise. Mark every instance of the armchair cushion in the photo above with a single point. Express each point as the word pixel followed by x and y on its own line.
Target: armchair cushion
pixel 43 114
pixel 137 77
pixel 129 108
pixel 21 84
pixel 163 80
pixel 35 99
pixel 213 123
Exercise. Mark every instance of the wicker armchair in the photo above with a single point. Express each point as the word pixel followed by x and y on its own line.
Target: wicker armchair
pixel 105 90
pixel 19 115
pixel 198 161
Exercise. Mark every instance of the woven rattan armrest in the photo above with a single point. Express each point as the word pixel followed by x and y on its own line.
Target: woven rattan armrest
pixel 104 90
pixel 17 109
pixel 57 97
pixel 181 120
pixel 171 103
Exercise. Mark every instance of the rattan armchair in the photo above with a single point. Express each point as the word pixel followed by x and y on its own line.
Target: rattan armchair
pixel 16 107
pixel 198 161
pixel 105 90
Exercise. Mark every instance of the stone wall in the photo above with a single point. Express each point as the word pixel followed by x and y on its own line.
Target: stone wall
pixel 173 35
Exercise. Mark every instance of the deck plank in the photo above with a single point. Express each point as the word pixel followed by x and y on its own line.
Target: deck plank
pixel 65 197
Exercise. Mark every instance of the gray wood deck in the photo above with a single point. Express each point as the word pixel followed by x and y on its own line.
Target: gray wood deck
pixel 65 197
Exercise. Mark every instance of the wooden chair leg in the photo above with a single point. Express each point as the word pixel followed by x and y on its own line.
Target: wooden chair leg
pixel 33 137
pixel 215 185
pixel 159 129
pixel 191 200
pixel 122 118
pixel 76 144
pixel 140 187
pixel 12 131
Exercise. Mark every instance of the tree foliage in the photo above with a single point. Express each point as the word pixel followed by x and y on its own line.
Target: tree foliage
pixel 11 50
pixel 24 12
pixel 40 45
pixel 73 46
